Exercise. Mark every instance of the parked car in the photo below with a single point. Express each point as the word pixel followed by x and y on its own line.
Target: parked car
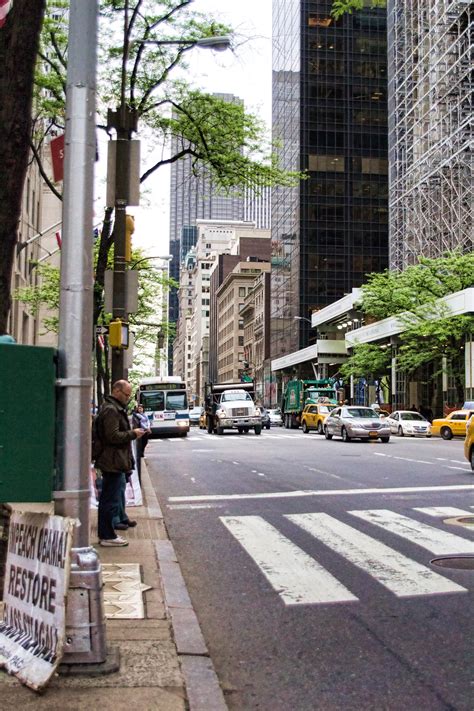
pixel 194 415
pixel 453 425
pixel 469 442
pixel 313 417
pixel 405 422
pixel 275 416
pixel 265 418
pixel 356 422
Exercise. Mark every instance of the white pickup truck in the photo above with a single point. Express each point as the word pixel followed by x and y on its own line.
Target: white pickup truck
pixel 231 406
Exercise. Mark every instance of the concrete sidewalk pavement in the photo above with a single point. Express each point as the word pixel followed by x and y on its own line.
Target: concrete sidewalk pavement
pixel 165 664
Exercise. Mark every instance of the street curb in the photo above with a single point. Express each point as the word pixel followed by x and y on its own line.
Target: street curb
pixel 202 684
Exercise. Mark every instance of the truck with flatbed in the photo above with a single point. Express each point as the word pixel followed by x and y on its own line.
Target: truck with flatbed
pixel 231 406
pixel 299 393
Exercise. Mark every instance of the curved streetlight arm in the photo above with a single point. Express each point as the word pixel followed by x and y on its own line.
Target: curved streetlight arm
pixel 302 318
pixel 218 43
pixel 165 258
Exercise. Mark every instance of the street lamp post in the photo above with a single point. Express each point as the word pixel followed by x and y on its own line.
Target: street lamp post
pixel 125 122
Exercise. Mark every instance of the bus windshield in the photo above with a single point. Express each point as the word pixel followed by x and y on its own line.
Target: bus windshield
pixel 159 400
pixel 176 401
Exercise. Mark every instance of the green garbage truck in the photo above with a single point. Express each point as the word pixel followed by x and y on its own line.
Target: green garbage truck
pixel 299 393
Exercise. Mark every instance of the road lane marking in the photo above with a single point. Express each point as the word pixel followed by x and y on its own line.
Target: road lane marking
pixel 329 492
pixel 443 511
pixel 293 574
pixel 402 576
pixel 192 507
pixel 431 539
pixel 463 469
pixel 404 459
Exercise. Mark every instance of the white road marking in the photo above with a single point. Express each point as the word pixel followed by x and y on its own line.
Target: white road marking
pixel 463 469
pixel 191 507
pixel 430 538
pixel 260 474
pixel 402 576
pixel 202 450
pixel 236 463
pixel 193 480
pixel 404 459
pixel 296 576
pixel 442 511
pixel 321 492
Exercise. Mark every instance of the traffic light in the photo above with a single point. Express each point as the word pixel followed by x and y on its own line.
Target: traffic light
pixel 118 334
pixel 129 230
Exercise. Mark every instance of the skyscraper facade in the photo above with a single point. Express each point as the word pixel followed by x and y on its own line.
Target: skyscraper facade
pixel 430 49
pixel 330 120
pixel 194 197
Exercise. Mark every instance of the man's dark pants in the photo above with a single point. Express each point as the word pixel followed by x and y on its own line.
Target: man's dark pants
pixel 109 504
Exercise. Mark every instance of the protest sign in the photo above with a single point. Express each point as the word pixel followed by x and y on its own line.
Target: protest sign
pixel 32 631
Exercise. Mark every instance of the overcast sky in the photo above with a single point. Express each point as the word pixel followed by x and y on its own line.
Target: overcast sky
pixel 245 73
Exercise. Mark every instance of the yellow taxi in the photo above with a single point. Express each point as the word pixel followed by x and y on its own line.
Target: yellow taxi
pixel 469 443
pixel 453 425
pixel 313 417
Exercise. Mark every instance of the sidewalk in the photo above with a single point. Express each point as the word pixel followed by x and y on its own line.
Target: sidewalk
pixel 165 664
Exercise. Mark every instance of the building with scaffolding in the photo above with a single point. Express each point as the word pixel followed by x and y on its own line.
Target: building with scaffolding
pixel 430 50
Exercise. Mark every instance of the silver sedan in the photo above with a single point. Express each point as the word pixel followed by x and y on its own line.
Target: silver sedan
pixel 356 422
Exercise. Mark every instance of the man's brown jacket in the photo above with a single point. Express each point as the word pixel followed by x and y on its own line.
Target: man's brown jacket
pixel 113 429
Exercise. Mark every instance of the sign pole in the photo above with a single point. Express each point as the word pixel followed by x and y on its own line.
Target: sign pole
pixel 85 622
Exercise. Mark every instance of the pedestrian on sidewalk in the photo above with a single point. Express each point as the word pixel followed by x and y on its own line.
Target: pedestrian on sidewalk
pixel 139 419
pixel 115 461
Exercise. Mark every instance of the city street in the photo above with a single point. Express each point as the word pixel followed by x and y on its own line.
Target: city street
pixel 309 565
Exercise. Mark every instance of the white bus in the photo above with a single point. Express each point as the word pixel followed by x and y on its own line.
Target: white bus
pixel 165 403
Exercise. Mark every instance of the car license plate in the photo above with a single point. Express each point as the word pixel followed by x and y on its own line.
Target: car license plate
pixel 372 433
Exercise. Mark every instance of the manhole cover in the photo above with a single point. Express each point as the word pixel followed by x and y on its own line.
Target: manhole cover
pixel 466 521
pixel 459 562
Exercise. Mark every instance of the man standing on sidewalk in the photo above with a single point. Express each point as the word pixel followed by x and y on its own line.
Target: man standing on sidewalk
pixel 115 459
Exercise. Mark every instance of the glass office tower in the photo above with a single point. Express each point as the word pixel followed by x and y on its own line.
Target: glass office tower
pixel 329 119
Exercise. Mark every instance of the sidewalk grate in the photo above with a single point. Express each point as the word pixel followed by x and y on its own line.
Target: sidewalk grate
pixel 123 591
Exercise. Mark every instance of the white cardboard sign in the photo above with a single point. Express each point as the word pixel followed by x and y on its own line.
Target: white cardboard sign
pixel 37 569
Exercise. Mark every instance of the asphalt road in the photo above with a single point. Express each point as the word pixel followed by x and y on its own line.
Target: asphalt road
pixel 309 564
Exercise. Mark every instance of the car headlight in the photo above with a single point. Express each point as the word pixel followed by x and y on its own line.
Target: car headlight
pixel 257 411
pixel 220 412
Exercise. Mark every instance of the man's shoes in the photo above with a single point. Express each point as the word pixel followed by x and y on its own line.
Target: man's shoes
pixel 131 524
pixel 114 542
pixel 121 526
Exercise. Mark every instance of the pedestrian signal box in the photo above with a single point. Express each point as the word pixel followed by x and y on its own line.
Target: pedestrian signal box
pixel 118 334
pixel 27 423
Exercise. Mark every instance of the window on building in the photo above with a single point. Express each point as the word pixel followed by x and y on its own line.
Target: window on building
pixel 326 164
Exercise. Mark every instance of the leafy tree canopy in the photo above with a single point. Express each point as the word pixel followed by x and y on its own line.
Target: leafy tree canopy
pixel 136 69
pixel 431 332
pixel 339 7
pixel 390 293
pixel 367 361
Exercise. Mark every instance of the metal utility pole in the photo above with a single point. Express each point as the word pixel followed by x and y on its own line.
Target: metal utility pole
pixel 85 619
pixel 124 121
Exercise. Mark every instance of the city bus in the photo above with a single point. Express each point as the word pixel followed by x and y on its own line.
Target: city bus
pixel 165 403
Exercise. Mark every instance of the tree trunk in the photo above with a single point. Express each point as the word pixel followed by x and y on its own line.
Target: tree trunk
pixel 19 39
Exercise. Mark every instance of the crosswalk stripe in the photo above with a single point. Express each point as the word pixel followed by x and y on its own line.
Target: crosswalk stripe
pixel 430 538
pixel 443 511
pixel 400 575
pixel 296 576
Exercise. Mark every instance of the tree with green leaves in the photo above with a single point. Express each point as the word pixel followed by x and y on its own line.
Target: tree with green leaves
pixel 143 50
pixel 339 7
pixel 431 335
pixel 19 39
pixel 153 285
